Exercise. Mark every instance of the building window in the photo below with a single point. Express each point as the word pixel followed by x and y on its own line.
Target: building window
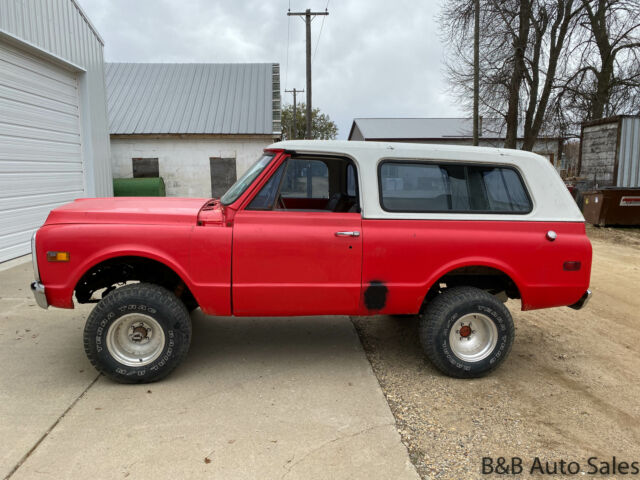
pixel 428 187
pixel 223 175
pixel 145 167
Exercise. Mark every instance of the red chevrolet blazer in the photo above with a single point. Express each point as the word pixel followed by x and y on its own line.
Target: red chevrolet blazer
pixel 324 228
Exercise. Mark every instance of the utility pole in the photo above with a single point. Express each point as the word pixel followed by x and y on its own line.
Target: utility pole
pixel 308 16
pixel 295 113
pixel 476 73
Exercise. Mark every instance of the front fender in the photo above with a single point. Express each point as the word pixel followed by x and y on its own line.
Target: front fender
pixel 89 245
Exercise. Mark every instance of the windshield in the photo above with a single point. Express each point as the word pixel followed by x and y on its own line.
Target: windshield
pixel 245 180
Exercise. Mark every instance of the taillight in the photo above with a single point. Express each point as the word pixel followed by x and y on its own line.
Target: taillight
pixel 571 266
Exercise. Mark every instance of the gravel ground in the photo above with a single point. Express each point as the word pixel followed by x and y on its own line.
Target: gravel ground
pixel 569 390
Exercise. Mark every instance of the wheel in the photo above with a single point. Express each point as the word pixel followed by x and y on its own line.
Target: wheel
pixel 466 332
pixel 138 333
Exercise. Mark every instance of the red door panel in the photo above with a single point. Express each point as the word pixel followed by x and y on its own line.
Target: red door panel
pixel 292 263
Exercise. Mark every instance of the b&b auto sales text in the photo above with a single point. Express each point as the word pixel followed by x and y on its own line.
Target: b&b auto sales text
pixel 593 466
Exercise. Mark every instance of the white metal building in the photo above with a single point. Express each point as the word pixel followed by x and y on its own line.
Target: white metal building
pixel 449 131
pixel 197 125
pixel 54 144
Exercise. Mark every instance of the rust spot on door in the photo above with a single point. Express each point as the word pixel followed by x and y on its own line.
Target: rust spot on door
pixel 375 296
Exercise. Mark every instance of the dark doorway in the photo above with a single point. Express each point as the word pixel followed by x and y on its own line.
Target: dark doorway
pixel 223 175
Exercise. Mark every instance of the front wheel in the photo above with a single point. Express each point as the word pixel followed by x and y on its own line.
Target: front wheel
pixel 138 333
pixel 466 332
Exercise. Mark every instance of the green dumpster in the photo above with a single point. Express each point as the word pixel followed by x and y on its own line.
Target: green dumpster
pixel 139 187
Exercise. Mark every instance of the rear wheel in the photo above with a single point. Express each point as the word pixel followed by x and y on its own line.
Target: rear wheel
pixel 138 333
pixel 466 332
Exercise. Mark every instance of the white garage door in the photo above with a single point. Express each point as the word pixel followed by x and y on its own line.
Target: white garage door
pixel 40 154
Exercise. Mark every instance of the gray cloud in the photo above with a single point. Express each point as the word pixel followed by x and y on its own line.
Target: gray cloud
pixel 375 58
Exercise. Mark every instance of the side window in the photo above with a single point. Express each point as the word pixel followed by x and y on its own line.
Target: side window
pixel 306 179
pixel 505 191
pixel 425 187
pixel 351 180
pixel 459 190
pixel 413 187
pixel 265 199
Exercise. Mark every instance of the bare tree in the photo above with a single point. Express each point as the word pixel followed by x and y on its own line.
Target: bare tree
pixel 553 24
pixel 606 80
pixel 546 65
pixel 522 44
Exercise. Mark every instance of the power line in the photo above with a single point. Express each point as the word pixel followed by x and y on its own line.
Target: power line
pixel 286 68
pixel 326 8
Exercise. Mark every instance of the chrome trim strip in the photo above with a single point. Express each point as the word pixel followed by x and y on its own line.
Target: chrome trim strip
pixel 34 256
pixel 38 292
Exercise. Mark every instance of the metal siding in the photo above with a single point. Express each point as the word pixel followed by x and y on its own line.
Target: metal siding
pixel 40 145
pixel 190 98
pixel 53 117
pixel 629 155
pixel 60 28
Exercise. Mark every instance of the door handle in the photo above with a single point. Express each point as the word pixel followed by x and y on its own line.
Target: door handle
pixel 347 234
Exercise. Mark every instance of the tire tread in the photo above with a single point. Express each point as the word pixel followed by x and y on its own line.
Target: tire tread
pixel 174 308
pixel 437 310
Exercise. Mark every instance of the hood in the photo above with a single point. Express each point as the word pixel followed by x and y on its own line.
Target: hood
pixel 129 210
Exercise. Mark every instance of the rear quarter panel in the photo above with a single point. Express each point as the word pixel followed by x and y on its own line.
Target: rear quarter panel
pixel 408 256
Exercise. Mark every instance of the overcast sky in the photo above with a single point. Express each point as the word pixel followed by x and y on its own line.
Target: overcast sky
pixel 374 58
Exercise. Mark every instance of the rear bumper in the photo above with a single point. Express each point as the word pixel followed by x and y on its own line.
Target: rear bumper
pixel 582 302
pixel 38 292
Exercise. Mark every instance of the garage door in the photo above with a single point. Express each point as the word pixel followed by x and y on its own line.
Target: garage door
pixel 40 154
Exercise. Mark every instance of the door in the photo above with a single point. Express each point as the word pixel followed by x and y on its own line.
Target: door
pixel 296 263
pixel 40 153
pixel 223 175
pixel 297 250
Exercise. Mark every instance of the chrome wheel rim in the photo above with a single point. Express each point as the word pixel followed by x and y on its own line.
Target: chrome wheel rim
pixel 135 339
pixel 473 337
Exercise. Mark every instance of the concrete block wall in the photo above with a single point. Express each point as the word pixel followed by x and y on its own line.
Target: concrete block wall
pixel 184 162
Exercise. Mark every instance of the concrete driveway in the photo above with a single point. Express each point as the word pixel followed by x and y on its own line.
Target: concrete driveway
pixel 255 398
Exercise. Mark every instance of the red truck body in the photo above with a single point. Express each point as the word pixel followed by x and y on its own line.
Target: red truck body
pixel 324 228
pixel 248 263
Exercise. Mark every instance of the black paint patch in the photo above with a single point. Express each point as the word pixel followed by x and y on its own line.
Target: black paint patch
pixel 375 296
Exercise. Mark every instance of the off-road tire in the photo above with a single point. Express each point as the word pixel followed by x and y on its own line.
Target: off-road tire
pixel 442 314
pixel 145 299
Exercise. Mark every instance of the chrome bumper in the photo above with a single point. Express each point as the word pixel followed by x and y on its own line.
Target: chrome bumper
pixel 582 302
pixel 38 292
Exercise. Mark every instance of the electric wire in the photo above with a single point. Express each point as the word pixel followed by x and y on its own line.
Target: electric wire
pixel 286 68
pixel 315 51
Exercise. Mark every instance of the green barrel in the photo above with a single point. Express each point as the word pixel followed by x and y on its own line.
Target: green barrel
pixel 138 187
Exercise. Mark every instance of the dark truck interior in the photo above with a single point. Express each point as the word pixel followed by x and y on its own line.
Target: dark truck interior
pixel 311 184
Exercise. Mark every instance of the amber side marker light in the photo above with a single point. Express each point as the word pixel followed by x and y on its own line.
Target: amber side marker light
pixel 57 256
pixel 571 266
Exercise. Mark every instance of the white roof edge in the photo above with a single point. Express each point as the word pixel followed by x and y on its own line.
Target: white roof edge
pixel 346 146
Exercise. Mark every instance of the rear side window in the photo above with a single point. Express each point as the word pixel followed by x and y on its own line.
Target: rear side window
pixel 427 187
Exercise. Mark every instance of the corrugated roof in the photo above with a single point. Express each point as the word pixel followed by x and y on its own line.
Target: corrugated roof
pixel 191 98
pixel 427 128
